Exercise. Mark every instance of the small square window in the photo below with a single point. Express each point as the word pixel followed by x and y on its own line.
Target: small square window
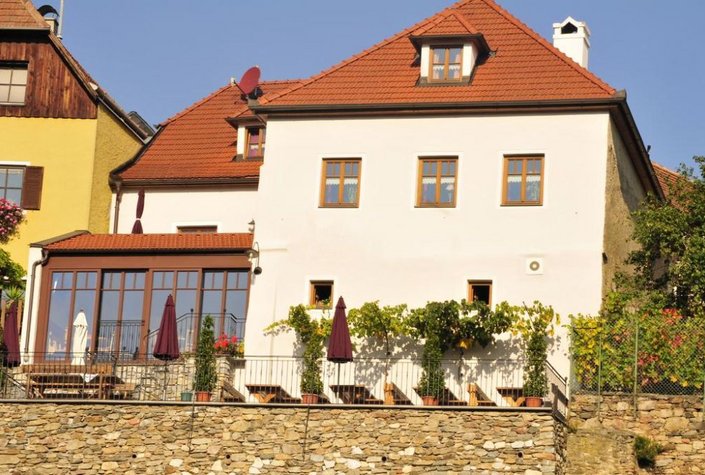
pixel 11 181
pixel 321 294
pixel 196 229
pixel 446 64
pixel 13 83
pixel 437 179
pixel 480 290
pixel 523 181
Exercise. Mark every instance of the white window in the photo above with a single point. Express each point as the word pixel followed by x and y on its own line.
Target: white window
pixel 13 84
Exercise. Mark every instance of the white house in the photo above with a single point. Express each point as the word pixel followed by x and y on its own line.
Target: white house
pixel 465 157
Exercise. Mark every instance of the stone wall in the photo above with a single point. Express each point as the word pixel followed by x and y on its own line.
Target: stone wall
pixel 601 436
pixel 90 438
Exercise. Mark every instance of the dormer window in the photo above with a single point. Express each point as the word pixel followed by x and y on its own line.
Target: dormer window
pixel 446 63
pixel 254 147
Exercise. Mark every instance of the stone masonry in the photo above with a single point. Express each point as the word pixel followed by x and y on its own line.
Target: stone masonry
pixel 145 438
pixel 601 436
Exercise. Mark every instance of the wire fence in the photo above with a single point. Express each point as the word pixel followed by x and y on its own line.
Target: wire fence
pixel 662 356
pixel 272 380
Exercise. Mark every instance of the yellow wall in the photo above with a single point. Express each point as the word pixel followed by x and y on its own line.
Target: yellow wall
pixel 65 148
pixel 114 145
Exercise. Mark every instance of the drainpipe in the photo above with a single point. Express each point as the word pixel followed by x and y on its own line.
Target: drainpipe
pixel 30 304
pixel 118 199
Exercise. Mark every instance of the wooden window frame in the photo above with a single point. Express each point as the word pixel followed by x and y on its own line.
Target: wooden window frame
pixel 524 174
pixel 312 293
pixel 341 184
pixel 471 293
pixel 446 63
pixel 4 185
pixel 197 229
pixel 15 66
pixel 419 183
pixel 260 145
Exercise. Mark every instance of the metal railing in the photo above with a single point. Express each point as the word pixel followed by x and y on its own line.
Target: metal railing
pixel 265 379
pixel 126 340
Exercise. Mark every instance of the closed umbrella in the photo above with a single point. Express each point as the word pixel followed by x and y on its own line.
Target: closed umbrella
pixel 11 338
pixel 137 227
pixel 166 347
pixel 79 340
pixel 340 346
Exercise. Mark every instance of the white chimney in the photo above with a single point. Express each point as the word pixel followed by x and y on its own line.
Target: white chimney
pixel 572 37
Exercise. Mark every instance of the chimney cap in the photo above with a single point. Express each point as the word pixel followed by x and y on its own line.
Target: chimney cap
pixel 558 28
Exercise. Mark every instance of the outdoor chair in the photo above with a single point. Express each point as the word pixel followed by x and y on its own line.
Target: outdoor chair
pixel 394 396
pixel 354 394
pixel 478 397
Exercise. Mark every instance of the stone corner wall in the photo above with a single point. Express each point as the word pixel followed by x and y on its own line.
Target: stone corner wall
pixel 131 439
pixel 602 432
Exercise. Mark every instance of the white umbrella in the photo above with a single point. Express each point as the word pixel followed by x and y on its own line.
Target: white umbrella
pixel 79 340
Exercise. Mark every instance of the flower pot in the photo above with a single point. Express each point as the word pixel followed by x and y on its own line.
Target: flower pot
pixel 534 401
pixel 309 398
pixel 203 396
pixel 186 396
pixel 429 400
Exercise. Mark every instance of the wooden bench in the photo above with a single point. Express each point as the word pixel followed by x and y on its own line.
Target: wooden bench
pixel 512 395
pixel 477 397
pixel 394 396
pixel 229 394
pixel 52 379
pixel 354 394
pixel 271 393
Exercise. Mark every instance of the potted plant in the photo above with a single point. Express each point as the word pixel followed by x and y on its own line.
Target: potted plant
pixel 311 334
pixel 205 378
pixel 535 325
pixel 230 347
pixel 432 382
pixel 186 396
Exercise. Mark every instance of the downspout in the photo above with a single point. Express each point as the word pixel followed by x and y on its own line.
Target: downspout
pixel 118 199
pixel 30 304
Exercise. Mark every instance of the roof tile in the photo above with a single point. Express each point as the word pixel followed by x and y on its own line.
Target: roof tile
pixel 20 14
pixel 153 242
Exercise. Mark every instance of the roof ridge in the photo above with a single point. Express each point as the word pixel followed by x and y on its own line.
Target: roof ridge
pixel 542 41
pixel 357 56
pixel 461 18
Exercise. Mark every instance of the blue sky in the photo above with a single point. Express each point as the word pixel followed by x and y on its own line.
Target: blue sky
pixel 159 56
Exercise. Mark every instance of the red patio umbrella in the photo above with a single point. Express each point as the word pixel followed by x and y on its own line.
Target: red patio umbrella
pixel 167 345
pixel 137 227
pixel 11 339
pixel 340 346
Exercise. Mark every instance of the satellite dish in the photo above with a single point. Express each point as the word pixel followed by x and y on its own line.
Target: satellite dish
pixel 249 81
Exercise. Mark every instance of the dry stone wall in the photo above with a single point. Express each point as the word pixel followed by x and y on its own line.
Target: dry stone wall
pixel 602 432
pixel 131 439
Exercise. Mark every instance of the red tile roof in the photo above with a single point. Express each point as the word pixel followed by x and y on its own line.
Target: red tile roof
pixel 152 242
pixel 20 14
pixel 524 67
pixel 667 178
pixel 198 143
pixel 448 23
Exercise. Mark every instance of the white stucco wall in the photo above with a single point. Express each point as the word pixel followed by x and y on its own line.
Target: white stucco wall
pixel 164 210
pixel 389 250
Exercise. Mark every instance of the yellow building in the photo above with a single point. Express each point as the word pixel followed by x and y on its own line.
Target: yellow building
pixel 60 133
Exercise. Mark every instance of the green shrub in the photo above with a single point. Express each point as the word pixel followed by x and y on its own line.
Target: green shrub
pixel 645 451
pixel 206 376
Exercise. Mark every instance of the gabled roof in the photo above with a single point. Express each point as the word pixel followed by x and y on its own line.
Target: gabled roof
pixel 198 143
pixel 447 23
pixel 81 242
pixel 523 67
pixel 20 14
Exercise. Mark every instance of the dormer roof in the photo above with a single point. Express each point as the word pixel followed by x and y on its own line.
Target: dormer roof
pixel 523 67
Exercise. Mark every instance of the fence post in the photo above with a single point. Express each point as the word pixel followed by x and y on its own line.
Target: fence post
pixel 636 365
pixel 599 373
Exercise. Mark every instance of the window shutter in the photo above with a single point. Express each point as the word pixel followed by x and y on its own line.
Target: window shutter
pixel 32 187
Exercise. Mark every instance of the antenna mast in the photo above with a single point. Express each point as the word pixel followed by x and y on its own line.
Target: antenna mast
pixel 61 20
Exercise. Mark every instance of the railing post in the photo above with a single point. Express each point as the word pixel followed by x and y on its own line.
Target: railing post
pixel 636 364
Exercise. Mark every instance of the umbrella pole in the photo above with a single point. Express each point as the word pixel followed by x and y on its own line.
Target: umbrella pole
pixel 165 363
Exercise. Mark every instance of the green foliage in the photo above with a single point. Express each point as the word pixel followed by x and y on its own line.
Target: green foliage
pixel 671 236
pixel 635 331
pixel 206 376
pixel 432 381
pixel 535 325
pixel 10 269
pixel 312 335
pixel 381 323
pixel 479 323
pixel 645 451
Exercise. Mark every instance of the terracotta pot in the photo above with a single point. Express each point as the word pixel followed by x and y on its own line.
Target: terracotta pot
pixel 309 398
pixel 203 396
pixel 534 401
pixel 429 400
